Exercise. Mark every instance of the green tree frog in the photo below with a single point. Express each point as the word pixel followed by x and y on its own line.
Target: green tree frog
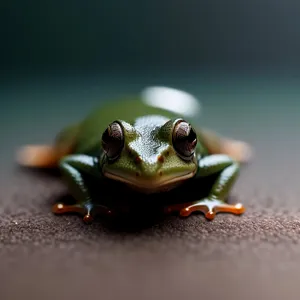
pixel 143 150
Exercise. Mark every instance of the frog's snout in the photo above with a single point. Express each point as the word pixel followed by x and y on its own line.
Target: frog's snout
pixel 149 169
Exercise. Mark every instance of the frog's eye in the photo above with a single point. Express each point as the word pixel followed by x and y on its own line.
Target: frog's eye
pixel 113 140
pixel 184 139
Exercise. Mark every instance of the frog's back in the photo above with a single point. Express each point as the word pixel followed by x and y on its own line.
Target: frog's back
pixel 163 101
pixel 91 128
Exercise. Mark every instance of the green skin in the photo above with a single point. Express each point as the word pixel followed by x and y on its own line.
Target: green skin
pixel 148 163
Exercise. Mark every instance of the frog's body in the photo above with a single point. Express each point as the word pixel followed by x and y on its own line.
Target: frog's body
pixel 144 150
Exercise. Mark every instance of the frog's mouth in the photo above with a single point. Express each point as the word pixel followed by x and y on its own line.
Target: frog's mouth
pixel 151 185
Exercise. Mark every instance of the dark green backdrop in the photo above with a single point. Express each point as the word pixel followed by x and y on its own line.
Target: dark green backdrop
pixel 105 35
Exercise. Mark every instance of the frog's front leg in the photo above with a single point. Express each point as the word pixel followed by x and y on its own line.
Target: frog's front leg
pixel 215 202
pixel 73 168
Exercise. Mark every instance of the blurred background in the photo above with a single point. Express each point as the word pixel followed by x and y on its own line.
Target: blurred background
pixel 61 58
pixel 106 36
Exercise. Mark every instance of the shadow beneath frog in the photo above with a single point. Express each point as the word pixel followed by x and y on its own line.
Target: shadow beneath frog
pixel 124 219
pixel 132 218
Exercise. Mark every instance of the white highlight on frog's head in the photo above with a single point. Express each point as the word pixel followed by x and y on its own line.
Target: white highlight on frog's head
pixel 171 99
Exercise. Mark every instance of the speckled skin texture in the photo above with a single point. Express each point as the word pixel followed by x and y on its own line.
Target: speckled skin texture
pixel 255 256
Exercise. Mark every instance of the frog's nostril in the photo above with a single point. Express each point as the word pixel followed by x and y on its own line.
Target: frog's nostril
pixel 160 173
pixel 138 159
pixel 137 174
pixel 160 158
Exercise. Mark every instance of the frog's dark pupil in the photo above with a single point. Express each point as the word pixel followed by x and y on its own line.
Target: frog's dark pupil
pixel 113 140
pixel 184 139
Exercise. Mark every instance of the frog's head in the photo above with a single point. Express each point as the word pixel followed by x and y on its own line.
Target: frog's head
pixel 151 155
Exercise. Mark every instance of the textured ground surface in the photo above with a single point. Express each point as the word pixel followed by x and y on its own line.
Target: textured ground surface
pixel 256 255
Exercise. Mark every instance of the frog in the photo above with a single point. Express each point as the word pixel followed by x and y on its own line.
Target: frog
pixel 147 146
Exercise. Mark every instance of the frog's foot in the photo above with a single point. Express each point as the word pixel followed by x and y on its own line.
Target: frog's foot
pixel 41 156
pixel 238 150
pixel 210 207
pixel 87 210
